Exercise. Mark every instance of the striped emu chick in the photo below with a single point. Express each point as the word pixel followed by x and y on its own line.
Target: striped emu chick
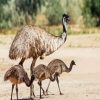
pixel 34 42
pixel 41 72
pixel 17 75
pixel 57 67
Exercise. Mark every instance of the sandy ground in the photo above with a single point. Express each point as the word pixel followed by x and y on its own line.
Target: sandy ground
pixel 82 83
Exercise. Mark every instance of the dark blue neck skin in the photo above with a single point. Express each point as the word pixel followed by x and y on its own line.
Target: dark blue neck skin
pixel 64 29
pixel 64 25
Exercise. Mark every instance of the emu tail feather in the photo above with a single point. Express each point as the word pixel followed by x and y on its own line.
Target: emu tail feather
pixel 9 73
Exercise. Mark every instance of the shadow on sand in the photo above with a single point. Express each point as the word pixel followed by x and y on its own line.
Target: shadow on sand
pixel 24 99
pixel 36 98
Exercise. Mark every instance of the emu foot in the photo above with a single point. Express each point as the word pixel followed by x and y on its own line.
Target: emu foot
pixel 61 93
pixel 44 92
pixel 34 94
pixel 33 98
pixel 41 97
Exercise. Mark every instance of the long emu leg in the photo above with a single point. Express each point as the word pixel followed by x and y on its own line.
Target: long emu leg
pixel 12 90
pixel 22 61
pixel 17 91
pixel 40 84
pixel 52 79
pixel 31 71
pixel 41 87
pixel 48 87
pixel 57 80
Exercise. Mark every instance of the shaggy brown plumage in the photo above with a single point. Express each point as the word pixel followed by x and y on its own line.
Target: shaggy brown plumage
pixel 57 67
pixel 33 42
pixel 41 72
pixel 17 75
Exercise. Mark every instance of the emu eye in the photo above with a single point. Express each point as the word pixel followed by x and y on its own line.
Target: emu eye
pixel 64 17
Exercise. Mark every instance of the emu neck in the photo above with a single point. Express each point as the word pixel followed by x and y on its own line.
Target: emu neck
pixel 70 68
pixel 55 42
pixel 28 82
pixel 63 36
pixel 54 77
pixel 58 41
pixel 65 26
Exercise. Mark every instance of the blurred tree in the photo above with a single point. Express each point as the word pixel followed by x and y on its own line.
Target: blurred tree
pixel 3 18
pixel 91 12
pixel 74 9
pixel 95 10
pixel 18 12
pixel 29 7
pixel 54 11
pixel 2 2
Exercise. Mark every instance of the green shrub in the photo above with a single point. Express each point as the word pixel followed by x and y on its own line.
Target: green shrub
pixel 54 12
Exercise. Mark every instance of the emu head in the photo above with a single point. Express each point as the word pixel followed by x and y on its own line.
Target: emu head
pixel 73 62
pixel 66 18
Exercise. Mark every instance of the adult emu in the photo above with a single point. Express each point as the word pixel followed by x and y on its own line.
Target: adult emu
pixel 34 42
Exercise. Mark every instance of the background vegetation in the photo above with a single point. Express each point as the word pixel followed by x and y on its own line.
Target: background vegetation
pixel 85 15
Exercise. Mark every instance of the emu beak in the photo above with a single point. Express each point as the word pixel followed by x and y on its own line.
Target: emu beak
pixel 68 19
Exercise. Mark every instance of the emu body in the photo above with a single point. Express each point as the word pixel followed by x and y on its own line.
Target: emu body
pixel 34 42
pixel 57 67
pixel 41 72
pixel 17 75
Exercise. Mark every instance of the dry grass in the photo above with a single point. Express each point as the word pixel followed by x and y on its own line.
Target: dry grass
pixel 83 41
pixel 55 29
